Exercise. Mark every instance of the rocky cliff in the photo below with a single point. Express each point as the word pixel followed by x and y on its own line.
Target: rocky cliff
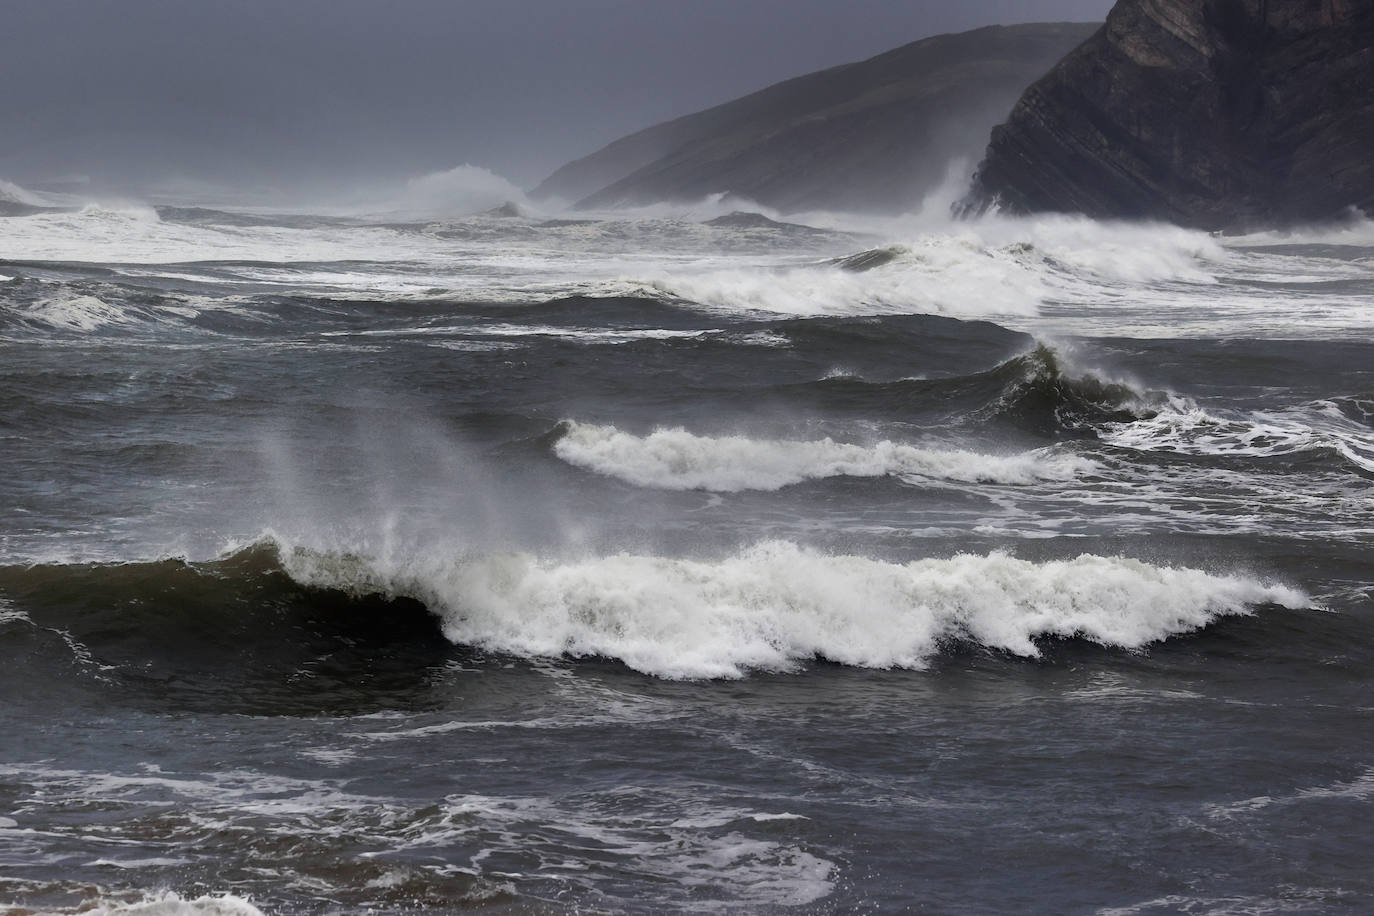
pixel 1219 114
pixel 875 135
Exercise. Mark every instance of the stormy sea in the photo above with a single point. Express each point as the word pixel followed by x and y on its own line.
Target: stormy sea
pixel 682 560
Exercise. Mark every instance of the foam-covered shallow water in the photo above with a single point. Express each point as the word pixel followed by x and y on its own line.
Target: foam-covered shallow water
pixel 670 562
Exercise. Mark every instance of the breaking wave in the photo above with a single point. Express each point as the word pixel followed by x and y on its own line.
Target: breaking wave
pixel 775 605
pixel 738 264
pixel 255 618
pixel 992 268
pixel 1040 390
pixel 1036 392
pixel 674 459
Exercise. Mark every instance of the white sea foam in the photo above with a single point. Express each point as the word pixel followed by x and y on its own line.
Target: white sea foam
pixel 1118 251
pixel 944 277
pixel 1132 253
pixel 11 614
pixel 676 836
pixel 1357 232
pixel 674 459
pixel 673 835
pixel 1188 429
pixel 706 208
pixel 130 234
pixel 1361 788
pixel 1293 901
pixel 989 268
pixel 71 312
pixel 164 903
pixel 1082 275
pixel 581 334
pixel 1089 277
pixel 774 605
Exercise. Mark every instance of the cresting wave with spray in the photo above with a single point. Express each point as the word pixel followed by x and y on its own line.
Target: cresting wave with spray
pixel 775 605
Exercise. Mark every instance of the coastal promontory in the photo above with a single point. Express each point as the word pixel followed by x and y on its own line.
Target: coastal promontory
pixel 879 134
pixel 1217 114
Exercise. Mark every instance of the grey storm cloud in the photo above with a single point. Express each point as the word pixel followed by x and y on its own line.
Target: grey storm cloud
pixel 308 92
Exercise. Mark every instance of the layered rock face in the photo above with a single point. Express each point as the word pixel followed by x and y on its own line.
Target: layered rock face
pixel 874 135
pixel 1218 114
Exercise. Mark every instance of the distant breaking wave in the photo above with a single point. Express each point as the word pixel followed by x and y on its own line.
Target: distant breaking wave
pixel 1010 270
pixel 991 268
pixel 11 193
pixel 674 459
pixel 775 605
pixel 985 269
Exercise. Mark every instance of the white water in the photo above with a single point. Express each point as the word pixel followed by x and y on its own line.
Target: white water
pixel 1145 279
pixel 776 605
pixel 70 312
pixel 1188 429
pixel 674 459
pixel 162 903
pixel 677 837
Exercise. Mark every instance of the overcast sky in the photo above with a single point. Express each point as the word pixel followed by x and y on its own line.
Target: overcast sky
pixel 317 92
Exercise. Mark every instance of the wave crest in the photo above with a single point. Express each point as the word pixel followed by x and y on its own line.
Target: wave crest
pixel 1039 392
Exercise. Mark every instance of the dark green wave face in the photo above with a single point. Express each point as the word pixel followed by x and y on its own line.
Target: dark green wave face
pixel 682 560
pixel 234 635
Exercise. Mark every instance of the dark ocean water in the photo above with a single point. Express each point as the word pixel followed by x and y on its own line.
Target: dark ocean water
pixel 672 564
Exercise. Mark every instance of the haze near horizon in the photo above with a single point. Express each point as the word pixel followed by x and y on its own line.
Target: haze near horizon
pixel 310 97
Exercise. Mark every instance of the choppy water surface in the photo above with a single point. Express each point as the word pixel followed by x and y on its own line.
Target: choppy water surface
pixel 683 562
